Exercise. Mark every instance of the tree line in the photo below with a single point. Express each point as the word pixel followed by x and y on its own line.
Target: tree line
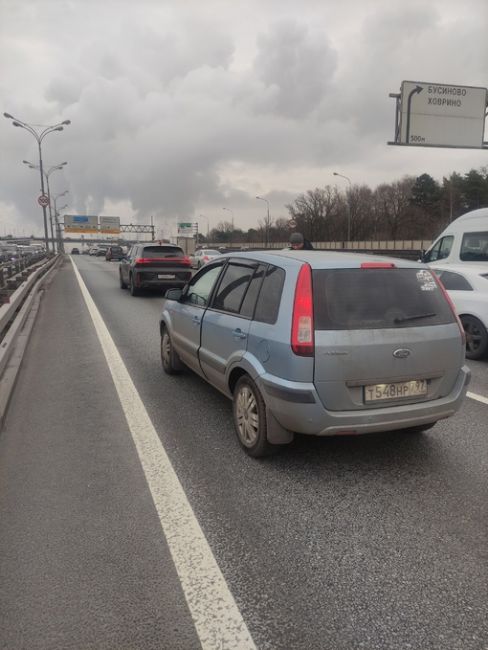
pixel 411 208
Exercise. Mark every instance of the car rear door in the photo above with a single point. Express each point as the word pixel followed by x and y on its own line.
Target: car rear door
pixel 226 322
pixel 383 336
pixel 125 264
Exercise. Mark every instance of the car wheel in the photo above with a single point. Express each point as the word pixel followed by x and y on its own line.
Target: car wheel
pixel 123 285
pixel 250 419
pixel 134 291
pixel 476 337
pixel 170 360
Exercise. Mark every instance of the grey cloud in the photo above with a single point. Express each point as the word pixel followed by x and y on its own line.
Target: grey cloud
pixel 298 65
pixel 166 101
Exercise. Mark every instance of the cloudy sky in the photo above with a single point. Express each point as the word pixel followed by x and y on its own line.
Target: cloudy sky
pixel 184 107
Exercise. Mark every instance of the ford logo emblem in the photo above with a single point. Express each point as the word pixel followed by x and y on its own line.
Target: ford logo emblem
pixel 402 353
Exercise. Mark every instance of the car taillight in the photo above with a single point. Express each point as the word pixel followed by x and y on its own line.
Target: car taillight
pixel 453 308
pixel 206 258
pixel 302 328
pixel 144 260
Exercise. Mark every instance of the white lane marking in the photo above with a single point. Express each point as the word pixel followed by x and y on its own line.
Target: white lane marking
pixel 478 398
pixel 217 619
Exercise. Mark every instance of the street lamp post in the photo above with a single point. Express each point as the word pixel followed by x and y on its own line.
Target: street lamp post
pixel 348 205
pixel 208 227
pixel 39 136
pixel 56 215
pixel 267 224
pixel 47 174
pixel 232 233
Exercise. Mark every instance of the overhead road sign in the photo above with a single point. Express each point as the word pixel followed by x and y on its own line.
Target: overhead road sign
pixel 43 200
pixel 440 115
pixel 109 225
pixel 187 229
pixel 81 223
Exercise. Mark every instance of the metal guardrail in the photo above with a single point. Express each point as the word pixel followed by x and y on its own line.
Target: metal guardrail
pixel 26 281
pixel 14 272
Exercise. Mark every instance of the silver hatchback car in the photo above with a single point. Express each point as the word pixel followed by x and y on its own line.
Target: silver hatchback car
pixel 319 343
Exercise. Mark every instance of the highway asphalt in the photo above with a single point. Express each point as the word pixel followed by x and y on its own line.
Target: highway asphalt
pixel 375 542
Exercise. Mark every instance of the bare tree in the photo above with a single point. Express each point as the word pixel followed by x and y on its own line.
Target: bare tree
pixel 393 204
pixel 314 211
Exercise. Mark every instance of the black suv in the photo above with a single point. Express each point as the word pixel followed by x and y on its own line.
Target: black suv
pixel 160 266
pixel 114 253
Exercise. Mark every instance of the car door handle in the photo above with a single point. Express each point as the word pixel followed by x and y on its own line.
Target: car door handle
pixel 239 334
pixel 196 320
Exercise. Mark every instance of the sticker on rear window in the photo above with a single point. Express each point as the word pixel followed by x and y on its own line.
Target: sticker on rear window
pixel 426 281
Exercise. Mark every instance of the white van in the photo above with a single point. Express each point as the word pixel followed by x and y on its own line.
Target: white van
pixel 464 240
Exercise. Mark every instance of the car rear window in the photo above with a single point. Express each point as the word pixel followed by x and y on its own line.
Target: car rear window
pixel 348 299
pixel 116 249
pixel 163 251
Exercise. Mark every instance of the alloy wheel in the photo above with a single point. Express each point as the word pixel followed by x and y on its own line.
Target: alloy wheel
pixel 247 416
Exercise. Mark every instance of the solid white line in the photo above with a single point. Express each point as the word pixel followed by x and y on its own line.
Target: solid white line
pixel 478 398
pixel 217 619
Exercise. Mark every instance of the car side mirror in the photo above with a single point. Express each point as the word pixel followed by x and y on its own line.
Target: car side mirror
pixel 173 294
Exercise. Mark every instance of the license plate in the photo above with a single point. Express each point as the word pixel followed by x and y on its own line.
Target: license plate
pixel 400 390
pixel 165 276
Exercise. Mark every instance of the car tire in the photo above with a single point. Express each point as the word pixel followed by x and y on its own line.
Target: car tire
pixel 250 422
pixel 170 360
pixel 123 285
pixel 476 337
pixel 134 291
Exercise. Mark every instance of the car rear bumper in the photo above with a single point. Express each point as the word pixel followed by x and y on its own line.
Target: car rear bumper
pixel 150 279
pixel 297 407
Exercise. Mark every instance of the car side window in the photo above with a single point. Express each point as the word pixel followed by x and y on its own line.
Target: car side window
pixel 454 282
pixel 441 250
pixel 201 286
pixel 270 296
pixel 474 247
pixel 249 302
pixel 232 288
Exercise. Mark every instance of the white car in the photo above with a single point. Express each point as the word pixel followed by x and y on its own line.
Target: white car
pixel 202 256
pixel 467 286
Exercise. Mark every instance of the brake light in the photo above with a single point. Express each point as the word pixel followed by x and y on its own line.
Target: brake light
pixel 302 328
pixel 378 265
pixel 206 258
pixel 453 308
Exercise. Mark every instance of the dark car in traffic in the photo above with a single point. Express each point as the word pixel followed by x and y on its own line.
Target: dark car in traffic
pixel 154 266
pixel 114 253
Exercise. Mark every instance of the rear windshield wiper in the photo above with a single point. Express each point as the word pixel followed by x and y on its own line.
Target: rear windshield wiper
pixel 415 317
